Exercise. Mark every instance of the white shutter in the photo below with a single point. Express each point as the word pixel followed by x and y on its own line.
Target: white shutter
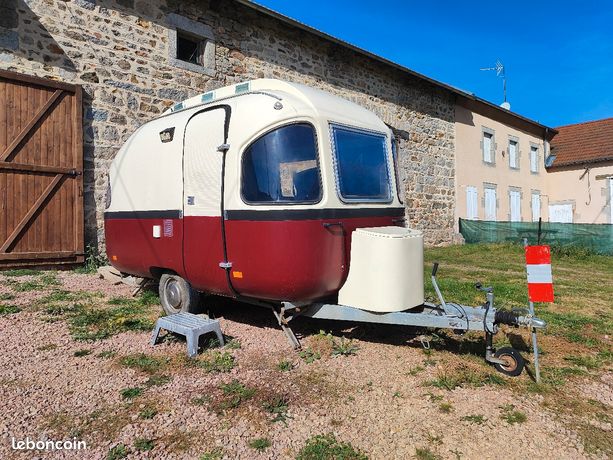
pixel 490 204
pixel 562 213
pixel 513 154
pixel 536 207
pixel 515 204
pixel 533 159
pixel 471 203
pixel 487 147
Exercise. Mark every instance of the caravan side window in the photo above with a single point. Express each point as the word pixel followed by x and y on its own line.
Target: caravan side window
pixel 361 164
pixel 282 167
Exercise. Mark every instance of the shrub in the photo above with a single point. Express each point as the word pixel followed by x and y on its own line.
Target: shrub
pixel 327 447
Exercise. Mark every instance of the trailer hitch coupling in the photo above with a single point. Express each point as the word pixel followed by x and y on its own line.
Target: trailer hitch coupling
pixel 513 319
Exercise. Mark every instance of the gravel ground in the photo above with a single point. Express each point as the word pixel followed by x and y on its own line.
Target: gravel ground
pixel 376 400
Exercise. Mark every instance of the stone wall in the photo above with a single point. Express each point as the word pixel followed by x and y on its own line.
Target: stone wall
pixel 118 51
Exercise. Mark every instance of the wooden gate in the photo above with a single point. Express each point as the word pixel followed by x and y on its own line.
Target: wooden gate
pixel 41 172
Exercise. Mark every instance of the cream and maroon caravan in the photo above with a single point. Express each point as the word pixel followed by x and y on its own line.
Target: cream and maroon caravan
pixel 254 191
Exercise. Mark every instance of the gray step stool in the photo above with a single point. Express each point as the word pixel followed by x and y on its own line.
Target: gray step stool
pixel 189 325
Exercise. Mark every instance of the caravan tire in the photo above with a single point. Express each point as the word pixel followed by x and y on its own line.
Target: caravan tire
pixel 177 295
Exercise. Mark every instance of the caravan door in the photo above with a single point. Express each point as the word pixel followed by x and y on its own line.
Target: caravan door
pixel 206 131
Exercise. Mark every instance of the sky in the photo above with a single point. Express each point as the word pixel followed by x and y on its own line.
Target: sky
pixel 558 55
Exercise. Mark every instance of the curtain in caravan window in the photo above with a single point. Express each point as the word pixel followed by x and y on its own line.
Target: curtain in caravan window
pixel 490 203
pixel 487 147
pixel 536 207
pixel 471 203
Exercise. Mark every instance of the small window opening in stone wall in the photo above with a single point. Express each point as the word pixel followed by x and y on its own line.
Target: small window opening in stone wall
pixel 191 45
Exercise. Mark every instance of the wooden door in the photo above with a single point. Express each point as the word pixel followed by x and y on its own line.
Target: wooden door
pixel 41 172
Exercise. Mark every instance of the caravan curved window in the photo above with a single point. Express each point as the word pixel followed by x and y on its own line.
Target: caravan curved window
pixel 281 167
pixel 361 164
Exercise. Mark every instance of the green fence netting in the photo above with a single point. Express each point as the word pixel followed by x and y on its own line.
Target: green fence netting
pixel 597 238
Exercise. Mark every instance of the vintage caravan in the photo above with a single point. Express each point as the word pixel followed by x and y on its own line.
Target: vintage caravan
pixel 283 196
pixel 255 190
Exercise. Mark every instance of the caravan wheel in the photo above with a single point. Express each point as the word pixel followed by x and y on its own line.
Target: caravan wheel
pixel 177 295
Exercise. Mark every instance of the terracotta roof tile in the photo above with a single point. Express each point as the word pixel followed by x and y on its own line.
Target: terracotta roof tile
pixel 583 143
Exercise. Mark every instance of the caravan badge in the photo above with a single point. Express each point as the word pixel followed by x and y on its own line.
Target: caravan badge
pixel 167 134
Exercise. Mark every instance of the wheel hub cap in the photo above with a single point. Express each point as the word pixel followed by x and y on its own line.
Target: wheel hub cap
pixel 173 295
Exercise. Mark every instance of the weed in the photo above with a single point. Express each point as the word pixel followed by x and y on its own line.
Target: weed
pixel 589 362
pixel 423 453
pixel 218 362
pixel 83 352
pixel 106 354
pixel 27 286
pixel 445 407
pixel 7 296
pixel 557 376
pixel 143 444
pixel 21 272
pixel 236 393
pixel 285 366
pixel 415 370
pixel 397 394
pixel 477 419
pixel 277 406
pixel 344 347
pixel 9 309
pixel 435 439
pixel 309 356
pixel 148 413
pixel 233 344
pixel 145 363
pixel 158 380
pixel 48 347
pixel 434 397
pixel 512 416
pixel 93 260
pixel 201 400
pixel 131 393
pixel 214 454
pixel 260 444
pixel 326 446
pixel 117 452
pixel 463 375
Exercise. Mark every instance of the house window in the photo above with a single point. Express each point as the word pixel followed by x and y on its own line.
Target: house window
pixel 536 205
pixel 471 203
pixel 488 146
pixel 490 202
pixel 513 154
pixel 515 205
pixel 534 155
pixel 191 45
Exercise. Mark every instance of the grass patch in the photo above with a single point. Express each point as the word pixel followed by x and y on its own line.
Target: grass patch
pixel 235 394
pixel 9 309
pixel 463 375
pixel 20 272
pixel 344 347
pixel 147 413
pixel 131 393
pixel 415 370
pixel 260 444
pixel 106 354
pixel 285 366
pixel 278 407
pixel 158 380
pixel 217 362
pixel 476 419
pixel 423 453
pixel 512 416
pixel 117 452
pixel 213 454
pixel 327 447
pixel 7 296
pixel 144 363
pixel 309 356
pixel 143 444
pixel 233 344
pixel 47 347
pixel 445 407
pixel 201 400
pixel 83 352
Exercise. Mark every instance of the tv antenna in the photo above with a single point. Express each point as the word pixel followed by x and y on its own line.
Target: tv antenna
pixel 499 68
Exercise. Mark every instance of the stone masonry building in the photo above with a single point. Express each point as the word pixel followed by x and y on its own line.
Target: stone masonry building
pixel 134 58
